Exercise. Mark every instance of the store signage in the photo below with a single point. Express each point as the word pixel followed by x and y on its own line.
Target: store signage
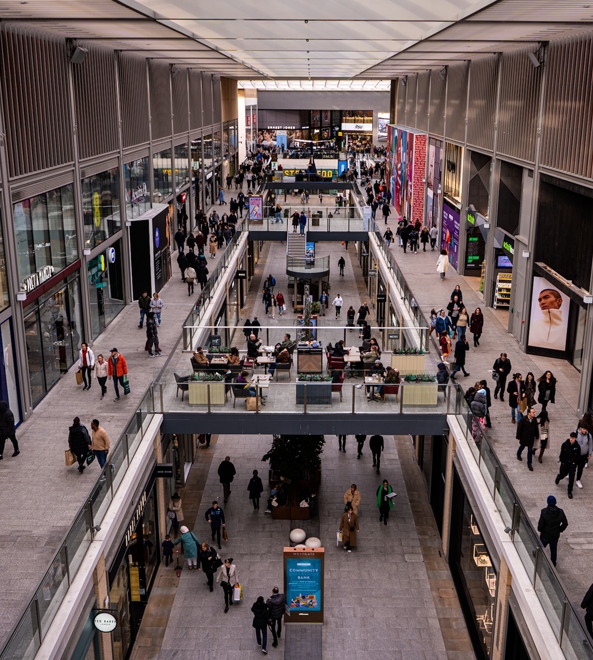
pixel 367 128
pixel 105 622
pixel 241 275
pixel 281 128
pixel 135 518
pixel 38 278
pixel 509 245
pixel 248 119
pixel 97 209
pixel 111 255
pixel 164 470
pixel 322 173
pixel 372 273
pixel 471 219
pixel 381 297
pixel 254 118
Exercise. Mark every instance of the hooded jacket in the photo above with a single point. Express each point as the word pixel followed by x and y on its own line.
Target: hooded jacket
pixel 442 374
pixel 479 404
pixel 6 420
pixel 552 522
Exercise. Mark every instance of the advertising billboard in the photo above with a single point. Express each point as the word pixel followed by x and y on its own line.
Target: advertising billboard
pixel 255 208
pixel 383 123
pixel 450 233
pixel 549 316
pixel 303 584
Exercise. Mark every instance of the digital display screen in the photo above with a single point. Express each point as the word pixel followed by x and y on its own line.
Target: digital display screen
pixel 303 584
pixel 504 262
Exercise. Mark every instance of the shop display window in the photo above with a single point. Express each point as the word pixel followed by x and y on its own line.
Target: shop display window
pixel 181 165
pixel 100 207
pixel 161 169
pixel 45 234
pixel 106 288
pixel 452 171
pixel 207 151
pixel 137 182
pixel 4 300
pixel 217 146
pixel 225 140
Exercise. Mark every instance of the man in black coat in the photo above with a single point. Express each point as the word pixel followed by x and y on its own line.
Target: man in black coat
pixel 502 367
pixel 276 604
pixel 527 433
pixel 570 454
pixel 587 605
pixel 79 442
pixel 360 439
pixel 461 349
pixel 255 326
pixel 180 240
pixel 253 345
pixel 552 522
pixel 7 429
pixel 226 472
pixel 377 445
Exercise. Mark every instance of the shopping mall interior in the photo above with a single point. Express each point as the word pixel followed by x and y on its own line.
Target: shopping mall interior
pixel 296 318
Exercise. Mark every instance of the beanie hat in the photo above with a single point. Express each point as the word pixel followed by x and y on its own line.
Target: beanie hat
pixel 551 500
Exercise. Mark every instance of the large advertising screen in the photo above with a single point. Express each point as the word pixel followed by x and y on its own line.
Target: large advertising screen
pixel 450 233
pixel 549 316
pixel 303 584
pixel 255 208
pixel 383 123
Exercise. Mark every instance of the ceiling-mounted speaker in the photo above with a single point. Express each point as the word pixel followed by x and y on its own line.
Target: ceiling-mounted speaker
pixel 79 55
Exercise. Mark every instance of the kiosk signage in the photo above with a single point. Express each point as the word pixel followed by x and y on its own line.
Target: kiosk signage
pixel 303 585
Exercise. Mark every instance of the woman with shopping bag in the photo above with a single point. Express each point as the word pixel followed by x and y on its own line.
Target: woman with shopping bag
pixel 228 579
pixel 349 528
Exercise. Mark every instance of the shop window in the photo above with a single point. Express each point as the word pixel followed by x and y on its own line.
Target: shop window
pixel 452 168
pixel 509 197
pixel 216 146
pixel 137 182
pixel 8 372
pixel 207 151
pixel 181 165
pixel 100 207
pixel 163 181
pixel 479 182
pixel 225 141
pixel 106 290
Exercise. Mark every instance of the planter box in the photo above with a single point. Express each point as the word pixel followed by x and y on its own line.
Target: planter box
pixel 198 393
pixel 290 513
pixel 420 394
pixel 318 394
pixel 408 364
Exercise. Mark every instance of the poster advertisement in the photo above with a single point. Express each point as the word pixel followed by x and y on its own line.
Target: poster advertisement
pixel 255 208
pixel 383 123
pixel 450 233
pixel 310 251
pixel 549 316
pixel 303 584
pixel 281 139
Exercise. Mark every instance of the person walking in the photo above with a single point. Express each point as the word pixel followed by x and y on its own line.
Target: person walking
pixel 209 563
pixel 189 545
pixel 302 223
pixel 341 265
pixel 261 617
pixel 118 370
pixel 7 429
pixel 156 307
pixel 183 263
pixel 280 302
pixel 424 238
pixel 86 363
pixel 201 275
pixel 342 443
pixel 376 445
pixel 349 528
pixel 337 303
pixel 587 605
pixel 442 264
pixel 516 392
pixel 384 503
pixel 386 212
pixel 295 221
pixel 152 336
pixel 552 522
pixel 585 441
pixel 484 386
pixel 180 240
pixel 101 372
pixel 462 322
pixel 570 454
pixel 226 473
pixel 445 344
pixel 527 434
pixel 276 604
pixel 215 516
pixel 434 232
pixel 221 197
pixel 79 442
pixel 352 497
pixel 476 325
pixel 255 488
pixel 228 578
pixel 167 546
pixel 323 302
pixel 100 442
pixel 546 387
pixel 544 433
pixel 213 246
pixel 461 349
pixel 502 368
pixel 175 512
pixel 360 439
pixel 530 389
pixel 144 306
pixel 190 278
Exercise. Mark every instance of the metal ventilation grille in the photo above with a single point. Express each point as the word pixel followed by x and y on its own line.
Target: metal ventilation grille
pixel 180 107
pixel 160 99
pixel 568 110
pixel 411 101
pixel 35 97
pixel 216 91
pixel 437 103
pixel 482 102
pixel 422 108
pixel 457 101
pixel 207 98
pixel 195 98
pixel 95 102
pixel 133 88
pixel 519 100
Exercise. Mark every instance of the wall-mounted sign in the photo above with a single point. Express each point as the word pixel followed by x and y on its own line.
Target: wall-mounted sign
pixel 372 273
pixel 38 278
pixel 470 218
pixel 255 208
pixel 164 470
pixel 381 297
pixel 358 128
pixel 156 237
pixel 97 209
pixel 111 255
pixel 105 622
pixel 549 316
pixel 241 275
pixel 509 245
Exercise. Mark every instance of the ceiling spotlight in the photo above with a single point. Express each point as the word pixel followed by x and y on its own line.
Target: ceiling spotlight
pixel 443 73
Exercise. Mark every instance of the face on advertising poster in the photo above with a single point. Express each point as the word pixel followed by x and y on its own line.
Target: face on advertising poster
pixel 549 316
pixel 266 138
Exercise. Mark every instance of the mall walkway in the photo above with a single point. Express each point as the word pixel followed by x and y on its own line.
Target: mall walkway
pixel 574 549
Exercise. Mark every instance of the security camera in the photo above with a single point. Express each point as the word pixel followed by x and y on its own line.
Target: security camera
pixel 533 59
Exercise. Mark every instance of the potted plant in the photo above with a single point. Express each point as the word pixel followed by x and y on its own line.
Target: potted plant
pixel 420 389
pixel 408 360
pixel 318 388
pixel 198 388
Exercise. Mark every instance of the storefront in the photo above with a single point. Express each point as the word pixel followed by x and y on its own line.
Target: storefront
pixel 434 189
pixel 178 451
pixel 100 207
pixel 478 213
pixel 106 287
pixel 451 215
pixel 137 184
pixel 133 570
pixel 197 173
pixel 162 175
pixel 356 128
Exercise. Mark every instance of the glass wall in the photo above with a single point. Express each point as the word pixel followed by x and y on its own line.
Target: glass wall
pixel 208 151
pixel 137 182
pixel 163 181
pixel 53 332
pixel 106 288
pixel 181 165
pixel 217 145
pixel 45 234
pixel 8 372
pixel 100 207
pixel 225 140
pixel 4 300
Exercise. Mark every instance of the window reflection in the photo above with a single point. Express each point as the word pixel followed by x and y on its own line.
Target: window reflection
pixel 100 207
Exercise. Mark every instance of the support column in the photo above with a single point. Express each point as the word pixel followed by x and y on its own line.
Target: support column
pixel 101 583
pixel 160 488
pixel 393 101
pixel 451 449
pixel 500 609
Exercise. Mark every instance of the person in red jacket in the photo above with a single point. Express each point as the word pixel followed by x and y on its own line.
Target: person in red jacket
pixel 118 369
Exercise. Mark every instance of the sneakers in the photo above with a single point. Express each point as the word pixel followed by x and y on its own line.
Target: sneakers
pixel 268 511
pixel 530 467
pixel 116 398
pixel 579 484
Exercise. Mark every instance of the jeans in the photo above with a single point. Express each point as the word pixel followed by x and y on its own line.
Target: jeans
pixel 86 373
pixel 102 380
pixel 553 548
pixel 442 274
pixel 101 455
pixel 529 453
pixel 117 379
pixel 255 501
pixel 276 627
pixel 302 230
pixel 461 330
pixel 580 465
pixel 261 634
pixel 143 313
pixel 433 242
pixel 459 367
pixel 157 316
pixel 518 413
pixel 272 368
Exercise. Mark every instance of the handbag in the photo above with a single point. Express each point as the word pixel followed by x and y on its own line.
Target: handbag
pixel 217 563
pixel 126 385
pixel 225 536
pixel 339 539
pixel 79 377
pixel 171 514
pixel 523 405
pixel 90 457
pixel 70 459
pixel 495 375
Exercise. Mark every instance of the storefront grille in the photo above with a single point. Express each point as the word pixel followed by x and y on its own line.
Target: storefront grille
pixel 457 101
pixel 482 102
pixel 133 86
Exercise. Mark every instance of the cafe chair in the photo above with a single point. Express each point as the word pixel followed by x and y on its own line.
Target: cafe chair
pixel 337 387
pixel 239 392
pixel 283 366
pixel 182 383
pixel 391 389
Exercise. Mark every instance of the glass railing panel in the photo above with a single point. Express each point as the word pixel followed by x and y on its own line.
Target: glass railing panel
pixel 488 462
pixel 504 499
pixel 77 542
pixel 575 642
pixel 119 462
pixel 550 593
pixel 52 591
pixel 526 543
pixel 100 499
pixel 24 642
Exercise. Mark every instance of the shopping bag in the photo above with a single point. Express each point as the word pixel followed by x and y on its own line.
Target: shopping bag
pixel 250 403
pixel 70 458
pixel 237 593
pixel 90 457
pixel 79 377
pixel 126 385
pixel 225 536
pixel 339 540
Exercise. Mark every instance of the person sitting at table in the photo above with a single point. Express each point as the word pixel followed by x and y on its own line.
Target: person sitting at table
pixel 377 369
pixel 200 358
pixel 282 358
pixel 366 331
pixel 253 345
pixel 374 344
pixel 391 377
pixel 371 356
pixel 287 343
pixel 339 350
pixel 242 379
pixel 234 357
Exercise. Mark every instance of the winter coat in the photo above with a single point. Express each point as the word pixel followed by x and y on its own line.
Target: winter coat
pixel 504 365
pixel 461 349
pixel 151 328
pixel 190 275
pixel 232 578
pixel 182 262
pixel 79 440
pixel 442 263
pixel 175 506
pixel 527 431
pixel 478 405
pixel 376 444
pixel 202 274
pixel 276 604
pixel 261 615
pixel 121 368
pixel 190 545
pixel 144 302
pixel 101 369
pixel 226 472
pixel 546 388
pixel 530 387
pixel 442 374
pixel 100 441
pixel 207 558
pixel 90 358
pixel 443 324
pixel 353 499
pixel 516 392
pixel 476 324
pixel 6 420
pixel 570 452
pixel 255 488
pixel 349 535
pixel 156 304
pixel 380 494
pixel 552 522
pixel 215 517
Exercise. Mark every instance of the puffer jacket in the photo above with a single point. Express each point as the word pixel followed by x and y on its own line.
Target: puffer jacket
pixel 478 405
pixel 442 374
pixel 276 605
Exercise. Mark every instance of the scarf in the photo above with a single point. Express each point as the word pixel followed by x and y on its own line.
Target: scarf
pixel 380 494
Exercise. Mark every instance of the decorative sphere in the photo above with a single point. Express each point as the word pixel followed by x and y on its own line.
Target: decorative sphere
pixel 313 542
pixel 298 535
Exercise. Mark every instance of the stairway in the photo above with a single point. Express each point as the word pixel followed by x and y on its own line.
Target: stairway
pixel 295 245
